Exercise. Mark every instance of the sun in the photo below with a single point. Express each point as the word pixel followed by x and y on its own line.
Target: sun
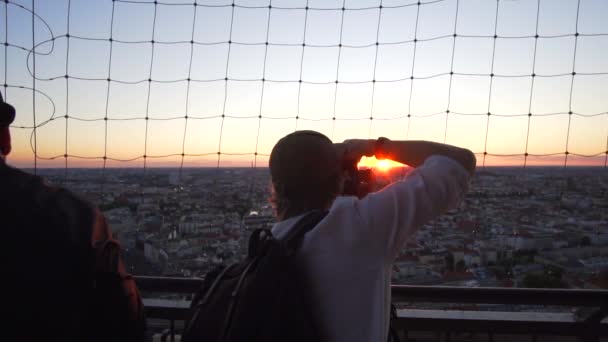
pixel 383 165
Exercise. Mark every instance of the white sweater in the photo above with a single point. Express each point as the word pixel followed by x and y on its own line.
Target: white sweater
pixel 349 254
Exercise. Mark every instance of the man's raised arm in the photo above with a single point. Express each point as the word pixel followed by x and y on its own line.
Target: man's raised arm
pixel 414 153
pixel 438 183
pixel 409 152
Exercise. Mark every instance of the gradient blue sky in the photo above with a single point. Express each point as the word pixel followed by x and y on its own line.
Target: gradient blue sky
pixel 133 22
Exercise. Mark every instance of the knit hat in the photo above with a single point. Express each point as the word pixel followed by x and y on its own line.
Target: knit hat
pixel 302 162
pixel 7 116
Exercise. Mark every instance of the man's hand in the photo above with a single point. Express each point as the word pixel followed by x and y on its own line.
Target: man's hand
pixel 355 149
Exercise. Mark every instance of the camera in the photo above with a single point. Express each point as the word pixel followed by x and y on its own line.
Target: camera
pixel 358 182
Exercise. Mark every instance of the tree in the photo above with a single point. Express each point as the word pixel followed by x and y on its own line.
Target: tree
pixel 551 278
pixel 460 266
pixel 449 262
pixel 585 241
pixel 541 281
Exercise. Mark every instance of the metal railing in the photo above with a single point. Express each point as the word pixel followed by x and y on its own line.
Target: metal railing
pixel 589 308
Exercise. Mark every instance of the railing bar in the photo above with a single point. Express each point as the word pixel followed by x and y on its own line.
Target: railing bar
pixel 443 294
pixel 405 293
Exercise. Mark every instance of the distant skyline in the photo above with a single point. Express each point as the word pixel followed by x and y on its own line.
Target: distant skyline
pixel 330 35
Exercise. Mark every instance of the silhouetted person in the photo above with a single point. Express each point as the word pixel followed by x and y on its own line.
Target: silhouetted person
pixel 62 276
pixel 348 256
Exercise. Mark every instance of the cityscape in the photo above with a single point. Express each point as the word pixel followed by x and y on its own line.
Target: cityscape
pixel 532 227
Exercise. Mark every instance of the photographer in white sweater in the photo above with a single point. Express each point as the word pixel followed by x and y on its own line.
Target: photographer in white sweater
pixel 348 256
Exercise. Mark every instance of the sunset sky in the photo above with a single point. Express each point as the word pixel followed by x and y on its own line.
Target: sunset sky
pixel 86 98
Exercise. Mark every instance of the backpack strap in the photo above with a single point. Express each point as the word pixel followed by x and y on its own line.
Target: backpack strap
pixel 306 223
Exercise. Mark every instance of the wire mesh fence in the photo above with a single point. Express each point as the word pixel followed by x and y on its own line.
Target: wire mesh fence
pixel 507 79
pixel 139 84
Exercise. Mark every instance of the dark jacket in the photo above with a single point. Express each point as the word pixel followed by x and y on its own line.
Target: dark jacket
pixel 48 260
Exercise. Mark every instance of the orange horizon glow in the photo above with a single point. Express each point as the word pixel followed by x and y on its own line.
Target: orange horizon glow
pixel 26 162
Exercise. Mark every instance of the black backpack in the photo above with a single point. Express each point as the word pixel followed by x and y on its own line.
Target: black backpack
pixel 262 298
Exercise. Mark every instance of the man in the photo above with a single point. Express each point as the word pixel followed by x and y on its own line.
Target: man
pixel 57 286
pixel 348 256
